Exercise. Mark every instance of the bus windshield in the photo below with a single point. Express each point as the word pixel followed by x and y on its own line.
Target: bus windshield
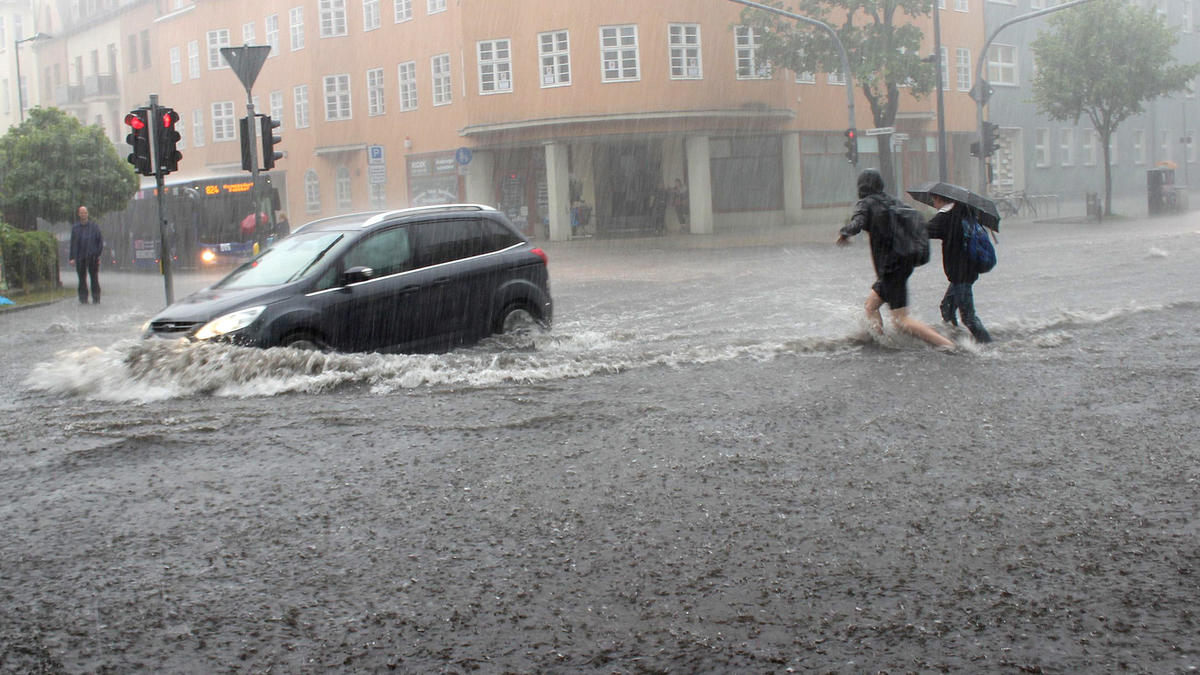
pixel 288 260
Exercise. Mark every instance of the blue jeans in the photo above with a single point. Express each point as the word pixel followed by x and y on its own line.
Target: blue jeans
pixel 960 299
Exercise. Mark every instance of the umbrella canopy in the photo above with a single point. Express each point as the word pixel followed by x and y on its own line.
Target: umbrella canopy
pixel 989 216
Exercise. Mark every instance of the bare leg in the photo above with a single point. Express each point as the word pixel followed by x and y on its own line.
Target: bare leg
pixel 874 302
pixel 909 325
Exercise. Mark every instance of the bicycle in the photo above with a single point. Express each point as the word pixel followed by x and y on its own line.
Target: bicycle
pixel 1012 203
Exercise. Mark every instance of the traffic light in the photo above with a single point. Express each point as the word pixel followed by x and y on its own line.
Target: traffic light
pixel 269 140
pixel 139 141
pixel 975 148
pixel 166 137
pixel 244 135
pixel 852 146
pixel 991 138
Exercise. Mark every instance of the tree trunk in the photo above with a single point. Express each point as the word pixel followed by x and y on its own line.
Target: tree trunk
pixel 1106 139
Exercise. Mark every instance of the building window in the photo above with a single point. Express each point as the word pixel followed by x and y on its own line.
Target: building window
pixel 962 65
pixel 408 85
pixel 146 49
pixel 181 127
pixel 619 53
pixel 440 65
pixel 1066 146
pixel 554 54
pixel 1189 143
pixel 495 67
pixel 1041 147
pixel 961 6
pixel 176 62
pixel 222 121
pixel 1139 146
pixel 1002 64
pixel 216 40
pixel 1185 18
pixel 300 105
pixel 1088 148
pixel 945 66
pixel 378 195
pixel 746 46
pixel 836 78
pixel 683 40
pixel 1112 149
pixel 312 192
pixel 341 188
pixel 333 18
pixel 402 10
pixel 194 59
pixel 806 78
pixel 1164 145
pixel 248 33
pixel 198 128
pixel 296 26
pixel 435 6
pixel 371 19
pixel 276 99
pixel 271 27
pixel 337 97
pixel 375 98
pixel 133 60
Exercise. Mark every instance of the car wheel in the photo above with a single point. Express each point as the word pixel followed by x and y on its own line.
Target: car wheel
pixel 303 340
pixel 516 320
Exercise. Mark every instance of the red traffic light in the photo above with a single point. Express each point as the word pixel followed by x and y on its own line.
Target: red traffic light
pixel 135 121
pixel 850 133
pixel 167 121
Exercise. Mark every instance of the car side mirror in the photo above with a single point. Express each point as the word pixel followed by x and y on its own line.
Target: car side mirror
pixel 357 274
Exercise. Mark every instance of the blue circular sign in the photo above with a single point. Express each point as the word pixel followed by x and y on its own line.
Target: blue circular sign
pixel 463 156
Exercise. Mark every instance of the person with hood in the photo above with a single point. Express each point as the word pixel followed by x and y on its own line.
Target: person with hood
pixel 946 225
pixel 891 282
pixel 87 244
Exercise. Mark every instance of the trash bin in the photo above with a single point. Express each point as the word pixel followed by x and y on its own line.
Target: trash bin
pixel 1160 190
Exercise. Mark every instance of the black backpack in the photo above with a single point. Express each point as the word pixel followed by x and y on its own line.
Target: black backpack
pixel 909 234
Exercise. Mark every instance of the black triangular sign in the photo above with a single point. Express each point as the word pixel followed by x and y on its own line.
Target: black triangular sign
pixel 246 61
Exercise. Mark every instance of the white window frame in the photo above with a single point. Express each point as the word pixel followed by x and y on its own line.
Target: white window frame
pixel 181 127
pixel 249 29
pixel 406 75
pixel 684 51
pixel 343 189
pixel 332 15
pixel 372 19
pixel 962 5
pixel 494 59
pixel 312 191
pixel 276 104
pixel 271 33
pixel 1002 73
pixel 1164 145
pixel 296 27
pixel 402 11
pixel 1139 146
pixel 376 97
pixel 435 6
pixel 962 65
pixel 1112 150
pixel 1041 147
pixel 224 128
pixel 176 61
pixel 619 49
pixel 1087 150
pixel 377 194
pixel 198 128
pixel 554 57
pixel 838 78
pixel 300 105
pixel 216 39
pixel 194 60
pixel 944 62
pixel 439 67
pixel 1066 146
pixel 338 103
pixel 745 55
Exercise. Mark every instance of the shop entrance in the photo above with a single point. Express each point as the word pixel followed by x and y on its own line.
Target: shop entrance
pixel 628 188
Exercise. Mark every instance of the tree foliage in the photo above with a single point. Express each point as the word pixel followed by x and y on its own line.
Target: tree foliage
pixel 882 46
pixel 1104 61
pixel 51 164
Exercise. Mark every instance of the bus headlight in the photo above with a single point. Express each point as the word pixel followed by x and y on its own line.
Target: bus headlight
pixel 234 321
pixel 207 256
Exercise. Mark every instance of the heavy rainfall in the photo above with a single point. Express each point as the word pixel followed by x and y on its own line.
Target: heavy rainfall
pixel 709 462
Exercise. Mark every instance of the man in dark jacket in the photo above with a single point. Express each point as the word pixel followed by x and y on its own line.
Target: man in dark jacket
pixel 891 283
pixel 946 225
pixel 87 243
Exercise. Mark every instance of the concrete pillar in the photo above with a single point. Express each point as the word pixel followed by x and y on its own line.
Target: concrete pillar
pixel 558 191
pixel 479 183
pixel 793 194
pixel 699 184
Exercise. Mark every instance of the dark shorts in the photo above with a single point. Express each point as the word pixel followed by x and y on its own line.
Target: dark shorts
pixel 893 288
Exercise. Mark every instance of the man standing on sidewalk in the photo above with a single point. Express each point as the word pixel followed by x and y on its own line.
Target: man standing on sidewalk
pixel 87 243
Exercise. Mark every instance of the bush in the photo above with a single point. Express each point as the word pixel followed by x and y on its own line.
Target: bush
pixel 30 258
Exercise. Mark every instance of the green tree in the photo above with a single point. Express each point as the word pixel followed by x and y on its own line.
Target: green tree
pixel 1104 60
pixel 883 48
pixel 51 164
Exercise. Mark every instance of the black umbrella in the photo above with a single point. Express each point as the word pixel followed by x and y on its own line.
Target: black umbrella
pixel 989 216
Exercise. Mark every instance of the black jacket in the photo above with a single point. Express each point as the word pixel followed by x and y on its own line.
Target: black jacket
pixel 947 226
pixel 871 215
pixel 86 241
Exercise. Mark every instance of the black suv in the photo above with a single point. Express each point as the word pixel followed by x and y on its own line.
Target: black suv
pixel 420 279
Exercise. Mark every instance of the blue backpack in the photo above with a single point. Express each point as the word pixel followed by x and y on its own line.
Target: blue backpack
pixel 978 245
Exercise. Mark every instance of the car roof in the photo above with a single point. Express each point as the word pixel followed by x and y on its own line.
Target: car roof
pixel 365 219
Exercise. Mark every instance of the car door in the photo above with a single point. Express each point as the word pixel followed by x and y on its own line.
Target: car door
pixel 448 253
pixel 374 312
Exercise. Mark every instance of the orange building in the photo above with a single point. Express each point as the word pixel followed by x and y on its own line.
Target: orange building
pixel 557 113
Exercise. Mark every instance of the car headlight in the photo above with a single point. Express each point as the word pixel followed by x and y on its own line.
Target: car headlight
pixel 234 321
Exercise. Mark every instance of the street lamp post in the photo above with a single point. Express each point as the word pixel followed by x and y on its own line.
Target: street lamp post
pixel 20 90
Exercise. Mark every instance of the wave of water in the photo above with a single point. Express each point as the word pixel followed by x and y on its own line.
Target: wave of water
pixel 153 370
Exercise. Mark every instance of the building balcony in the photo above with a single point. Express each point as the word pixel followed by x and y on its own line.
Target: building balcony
pixel 99 86
pixel 66 95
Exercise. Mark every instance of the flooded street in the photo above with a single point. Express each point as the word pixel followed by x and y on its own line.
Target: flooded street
pixel 706 466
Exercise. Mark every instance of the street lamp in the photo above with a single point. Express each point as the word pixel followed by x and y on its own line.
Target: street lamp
pixel 20 91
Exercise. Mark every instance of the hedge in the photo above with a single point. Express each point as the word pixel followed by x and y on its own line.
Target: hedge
pixel 30 258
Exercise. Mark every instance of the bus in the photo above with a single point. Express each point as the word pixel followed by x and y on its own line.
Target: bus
pixel 210 222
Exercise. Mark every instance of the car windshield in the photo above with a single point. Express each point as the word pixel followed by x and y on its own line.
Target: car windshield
pixel 288 260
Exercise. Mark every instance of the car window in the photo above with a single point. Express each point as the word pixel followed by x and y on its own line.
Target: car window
pixel 496 237
pixel 386 252
pixel 289 259
pixel 445 240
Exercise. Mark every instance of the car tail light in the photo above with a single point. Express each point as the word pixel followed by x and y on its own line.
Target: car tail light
pixel 541 254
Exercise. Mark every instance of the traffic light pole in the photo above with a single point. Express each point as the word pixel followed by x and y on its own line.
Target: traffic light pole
pixel 165 253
